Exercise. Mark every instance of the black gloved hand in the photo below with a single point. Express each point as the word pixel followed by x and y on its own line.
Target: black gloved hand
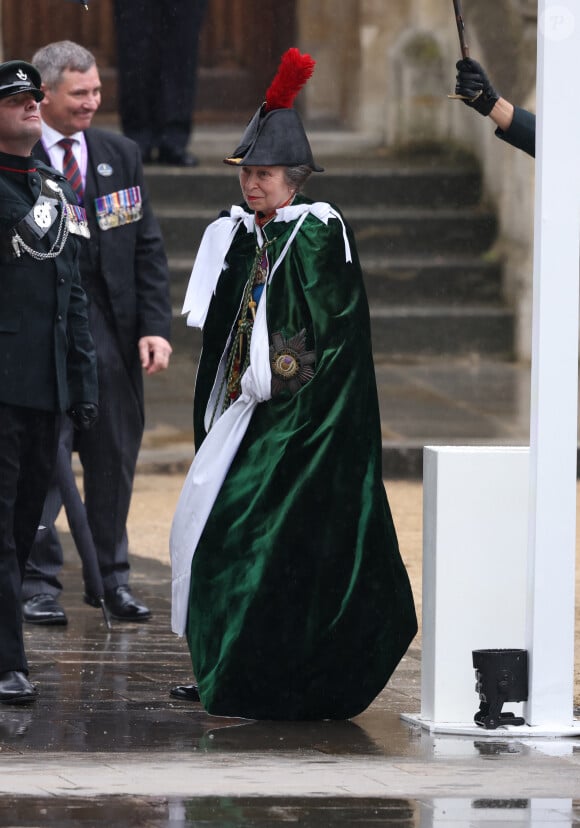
pixel 474 86
pixel 84 415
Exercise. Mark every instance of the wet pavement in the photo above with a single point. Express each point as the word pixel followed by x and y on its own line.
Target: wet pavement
pixel 105 743
pixel 267 811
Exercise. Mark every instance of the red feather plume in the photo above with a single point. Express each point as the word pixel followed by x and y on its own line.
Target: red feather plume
pixel 293 72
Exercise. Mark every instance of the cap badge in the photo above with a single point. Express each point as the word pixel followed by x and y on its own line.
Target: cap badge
pixel 22 75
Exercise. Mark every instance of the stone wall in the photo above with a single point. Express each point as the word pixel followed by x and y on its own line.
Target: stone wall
pixel 385 70
pixel 505 42
pixel 330 32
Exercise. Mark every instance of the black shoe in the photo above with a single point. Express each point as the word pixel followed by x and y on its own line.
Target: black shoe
pixel 16 689
pixel 177 158
pixel 44 609
pixel 185 692
pixel 122 605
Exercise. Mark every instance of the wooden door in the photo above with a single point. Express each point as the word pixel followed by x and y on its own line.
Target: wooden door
pixel 29 24
pixel 241 45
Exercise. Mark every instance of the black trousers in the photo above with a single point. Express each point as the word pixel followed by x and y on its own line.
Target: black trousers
pixel 157 57
pixel 28 441
pixel 108 455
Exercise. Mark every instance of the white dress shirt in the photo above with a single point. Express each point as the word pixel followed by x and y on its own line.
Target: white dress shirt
pixel 50 139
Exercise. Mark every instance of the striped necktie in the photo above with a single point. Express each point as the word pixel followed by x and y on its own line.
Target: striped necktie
pixel 70 168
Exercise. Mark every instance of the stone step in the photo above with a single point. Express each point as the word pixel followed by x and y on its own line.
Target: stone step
pixel 422 234
pixel 407 186
pixel 442 330
pixel 379 231
pixel 404 280
pixel 414 330
pixel 436 279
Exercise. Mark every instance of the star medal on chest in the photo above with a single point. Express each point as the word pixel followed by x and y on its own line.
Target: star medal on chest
pixel 45 211
pixel 43 215
pixel 292 365
pixel 48 211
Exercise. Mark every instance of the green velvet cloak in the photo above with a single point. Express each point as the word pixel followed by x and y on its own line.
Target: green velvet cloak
pixel 300 606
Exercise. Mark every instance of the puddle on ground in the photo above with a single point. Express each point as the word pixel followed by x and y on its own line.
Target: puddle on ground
pixel 264 812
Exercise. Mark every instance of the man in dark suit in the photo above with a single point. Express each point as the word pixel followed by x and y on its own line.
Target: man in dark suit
pixel 47 358
pixel 124 271
pixel 516 126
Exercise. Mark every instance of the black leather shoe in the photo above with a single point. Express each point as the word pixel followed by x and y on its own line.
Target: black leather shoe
pixel 185 692
pixel 44 609
pixel 122 605
pixel 177 158
pixel 16 689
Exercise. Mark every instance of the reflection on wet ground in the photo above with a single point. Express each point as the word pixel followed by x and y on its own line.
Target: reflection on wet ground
pixel 223 812
pixel 108 691
pixel 242 812
pixel 104 723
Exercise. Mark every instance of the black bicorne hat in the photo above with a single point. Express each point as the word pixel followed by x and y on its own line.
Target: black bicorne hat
pixel 275 135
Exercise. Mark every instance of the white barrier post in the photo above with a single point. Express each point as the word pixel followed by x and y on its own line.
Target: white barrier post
pixel 475 521
pixel 554 398
pixel 458 510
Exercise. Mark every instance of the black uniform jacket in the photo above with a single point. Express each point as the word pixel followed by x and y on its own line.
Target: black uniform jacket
pixel 124 266
pixel 47 358
pixel 522 131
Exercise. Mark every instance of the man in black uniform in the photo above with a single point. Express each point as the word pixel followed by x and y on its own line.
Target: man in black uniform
pixel 124 271
pixel 47 359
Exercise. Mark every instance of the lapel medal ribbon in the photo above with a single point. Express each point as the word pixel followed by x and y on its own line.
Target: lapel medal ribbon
pixel 117 209
pixel 77 220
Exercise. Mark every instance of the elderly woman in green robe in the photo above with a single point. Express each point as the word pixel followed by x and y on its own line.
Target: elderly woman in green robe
pixel 287 577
